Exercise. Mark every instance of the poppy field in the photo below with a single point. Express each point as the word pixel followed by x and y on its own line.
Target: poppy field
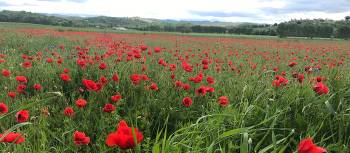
pixel 79 91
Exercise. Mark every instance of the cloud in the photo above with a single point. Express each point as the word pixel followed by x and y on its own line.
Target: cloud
pixel 328 6
pixel 50 0
pixel 223 14
pixel 4 4
pixel 77 1
pixel 262 11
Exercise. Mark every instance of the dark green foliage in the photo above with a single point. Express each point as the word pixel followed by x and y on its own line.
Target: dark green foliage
pixel 314 28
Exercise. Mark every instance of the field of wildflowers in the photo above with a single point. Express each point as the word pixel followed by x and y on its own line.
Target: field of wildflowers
pixel 76 91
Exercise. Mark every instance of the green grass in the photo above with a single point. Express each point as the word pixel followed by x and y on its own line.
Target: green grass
pixel 260 118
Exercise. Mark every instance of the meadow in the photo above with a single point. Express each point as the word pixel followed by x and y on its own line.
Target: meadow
pixel 85 90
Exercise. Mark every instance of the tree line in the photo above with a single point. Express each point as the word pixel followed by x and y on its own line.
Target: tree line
pixel 315 28
pixel 293 28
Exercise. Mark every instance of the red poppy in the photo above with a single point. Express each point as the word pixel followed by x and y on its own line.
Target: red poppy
pixel 187 101
pixel 68 111
pixel 201 91
pixel 321 88
pixel 292 64
pixel 210 80
pixel 80 103
pixel 21 79
pixel 103 80
pixel 21 88
pixel 154 86
pixel 65 77
pixel 280 80
pixel 102 66
pixel 223 101
pixel 178 83
pixel 116 98
pixel 135 78
pixel 157 49
pixel 49 60
pixel 22 116
pixel 123 137
pixel 12 137
pixel 37 86
pixel 27 64
pixel 80 138
pixel 3 108
pixel 11 94
pixel 115 77
pixel 301 78
pixel 143 47
pixel 6 73
pixel 66 70
pixel 90 85
pixel 307 146
pixel 186 86
pixel 109 108
pixel 319 79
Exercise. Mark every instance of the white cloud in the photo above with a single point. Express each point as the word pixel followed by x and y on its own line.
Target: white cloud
pixel 175 9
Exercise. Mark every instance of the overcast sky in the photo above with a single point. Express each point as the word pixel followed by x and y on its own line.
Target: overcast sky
pixel 261 11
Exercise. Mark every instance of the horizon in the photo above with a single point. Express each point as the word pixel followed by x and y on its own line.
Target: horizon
pixel 253 11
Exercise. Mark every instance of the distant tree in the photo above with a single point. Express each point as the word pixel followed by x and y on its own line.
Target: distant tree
pixel 343 32
pixel 347 18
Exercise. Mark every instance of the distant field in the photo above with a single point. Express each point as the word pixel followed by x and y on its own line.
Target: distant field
pixel 82 89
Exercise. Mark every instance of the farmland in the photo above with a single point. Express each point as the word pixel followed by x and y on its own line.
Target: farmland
pixel 85 90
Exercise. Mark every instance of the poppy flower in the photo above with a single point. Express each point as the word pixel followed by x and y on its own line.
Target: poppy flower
pixel 124 137
pixel 37 86
pixel 307 146
pixel 187 101
pixel 102 66
pixel 116 98
pixel 3 108
pixel 321 88
pixel 109 108
pixel 135 78
pixel 80 103
pixel 157 49
pixel 6 73
pixel 21 79
pixel 210 80
pixel 65 77
pixel 66 70
pixel 301 78
pixel 280 80
pixel 11 94
pixel 115 77
pixel 80 138
pixel 27 64
pixel 22 116
pixel 49 60
pixel 178 83
pixel 90 85
pixel 12 137
pixel 292 64
pixel 103 80
pixel 201 91
pixel 68 111
pixel 186 86
pixel 319 79
pixel 154 86
pixel 21 88
pixel 223 101
pixel 143 47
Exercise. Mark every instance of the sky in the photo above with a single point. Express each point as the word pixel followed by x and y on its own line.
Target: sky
pixel 258 11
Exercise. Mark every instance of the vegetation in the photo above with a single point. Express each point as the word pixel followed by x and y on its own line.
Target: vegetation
pixel 315 28
pixel 74 91
pixel 295 28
